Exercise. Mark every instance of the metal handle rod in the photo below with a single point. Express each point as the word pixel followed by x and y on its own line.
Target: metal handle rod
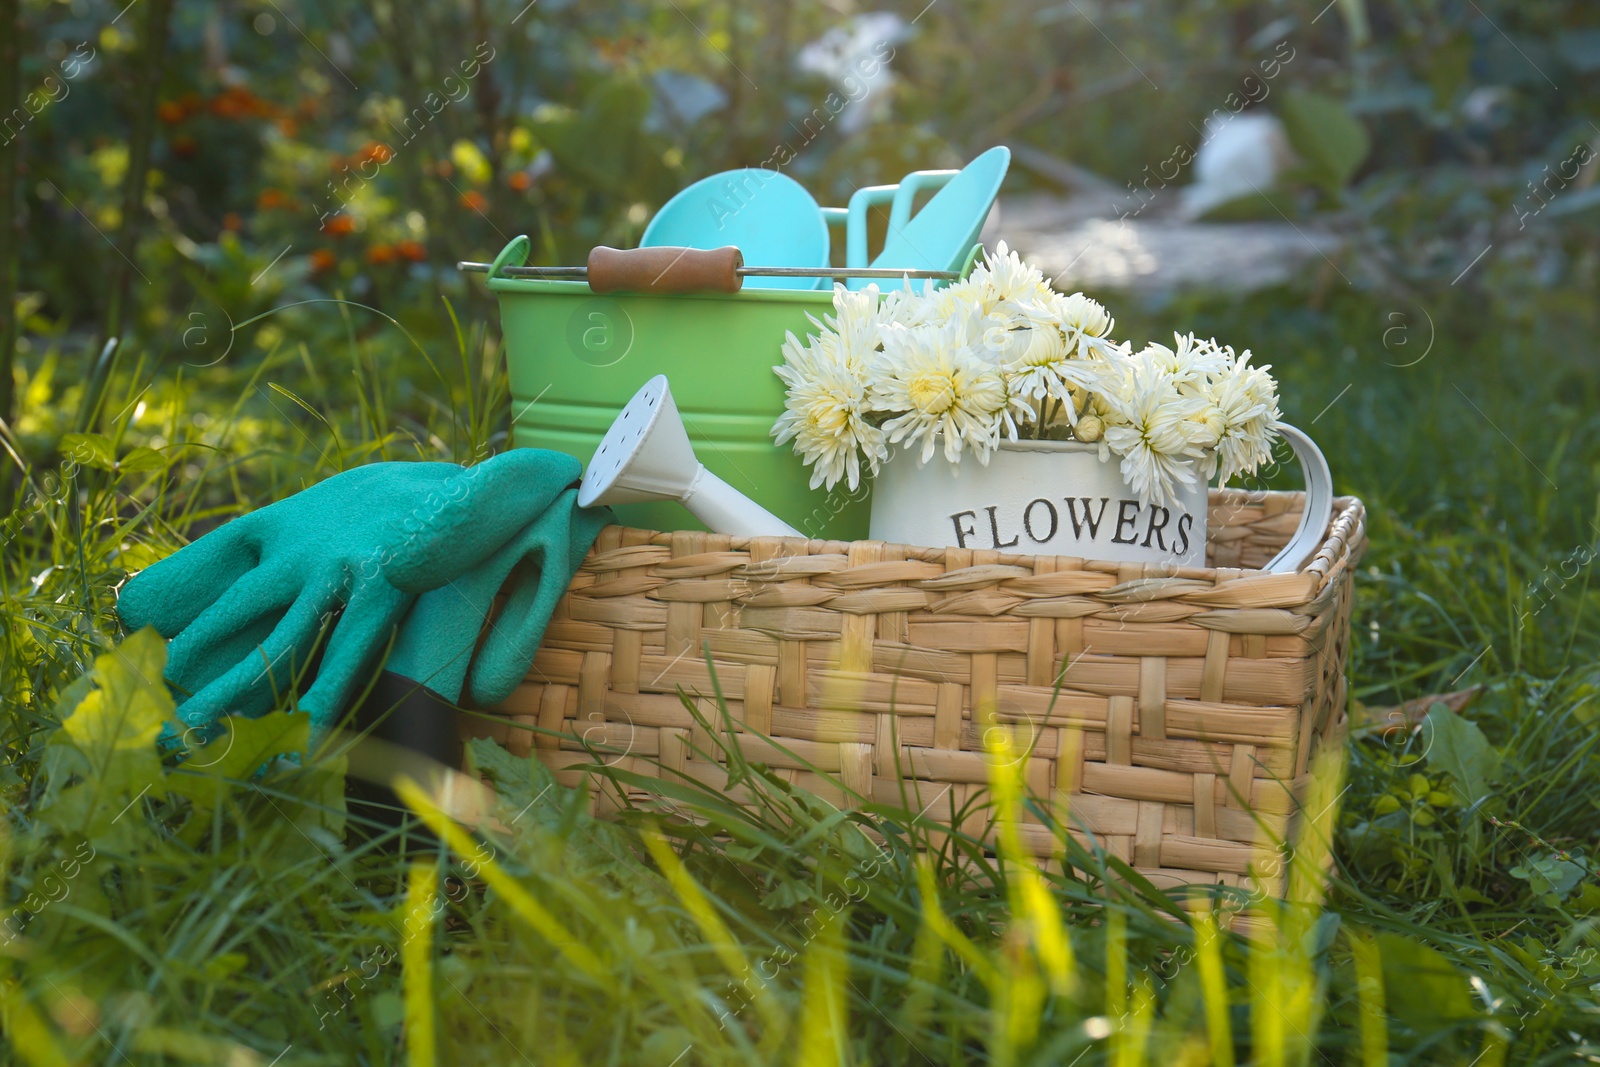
pixel 759 272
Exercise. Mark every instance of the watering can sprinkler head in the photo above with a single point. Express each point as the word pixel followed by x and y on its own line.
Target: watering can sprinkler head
pixel 646 455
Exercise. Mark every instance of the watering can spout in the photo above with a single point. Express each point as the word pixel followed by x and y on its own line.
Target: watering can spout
pixel 646 455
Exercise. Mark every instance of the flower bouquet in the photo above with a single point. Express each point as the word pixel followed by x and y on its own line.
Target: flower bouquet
pixel 1000 362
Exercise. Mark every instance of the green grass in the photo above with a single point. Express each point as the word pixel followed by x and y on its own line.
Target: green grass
pixel 220 906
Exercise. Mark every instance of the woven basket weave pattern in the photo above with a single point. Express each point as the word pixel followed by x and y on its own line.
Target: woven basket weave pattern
pixel 1178 708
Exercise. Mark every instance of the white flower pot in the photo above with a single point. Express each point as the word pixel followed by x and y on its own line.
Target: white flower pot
pixel 1058 498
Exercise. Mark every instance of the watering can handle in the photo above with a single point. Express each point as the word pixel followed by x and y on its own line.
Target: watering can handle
pixel 1313 526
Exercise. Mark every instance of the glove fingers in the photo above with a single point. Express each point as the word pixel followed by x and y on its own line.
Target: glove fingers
pixel 477 512
pixel 196 652
pixel 261 673
pixel 363 631
pixel 171 594
pixel 238 647
pixel 435 645
pixel 547 563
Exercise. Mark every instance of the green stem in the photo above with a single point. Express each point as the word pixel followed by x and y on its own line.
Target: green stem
pixel 152 61
pixel 10 218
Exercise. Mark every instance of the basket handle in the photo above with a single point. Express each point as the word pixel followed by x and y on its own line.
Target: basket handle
pixel 1308 535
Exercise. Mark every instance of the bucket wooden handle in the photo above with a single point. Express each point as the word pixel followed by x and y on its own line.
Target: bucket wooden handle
pixel 1307 539
pixel 665 270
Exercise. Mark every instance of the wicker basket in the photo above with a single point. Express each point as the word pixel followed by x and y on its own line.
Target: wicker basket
pixel 1178 707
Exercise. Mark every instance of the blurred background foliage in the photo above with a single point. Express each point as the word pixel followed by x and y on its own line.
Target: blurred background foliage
pixel 314 171
pixel 349 139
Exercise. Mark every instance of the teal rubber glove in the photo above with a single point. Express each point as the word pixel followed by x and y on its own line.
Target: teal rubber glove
pixel 412 701
pixel 435 646
pixel 244 605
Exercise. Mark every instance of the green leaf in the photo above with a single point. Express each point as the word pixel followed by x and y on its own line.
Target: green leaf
pixel 72 696
pixel 303 804
pixel 387 1009
pixel 526 790
pixel 1587 901
pixel 103 758
pixel 241 750
pixel 1331 141
pixel 220 968
pixel 89 450
pixel 787 894
pixel 142 459
pixel 1458 747
pixel 512 776
pixel 666 1047
pixel 1424 989
pixel 1550 875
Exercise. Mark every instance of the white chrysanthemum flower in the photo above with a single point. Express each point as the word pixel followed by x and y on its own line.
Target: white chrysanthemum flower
pixel 999 287
pixel 1190 362
pixel 1147 424
pixel 1207 427
pixel 1245 400
pixel 1191 365
pixel 964 363
pixel 937 306
pixel 1043 367
pixel 1010 280
pixel 825 412
pixel 906 305
pixel 1003 338
pixel 1085 322
pixel 851 333
pixel 936 386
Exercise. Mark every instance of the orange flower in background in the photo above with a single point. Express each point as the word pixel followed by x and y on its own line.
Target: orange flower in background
pixel 411 250
pixel 288 126
pixel 519 180
pixel 443 168
pixel 339 225
pixel 271 198
pixel 229 105
pixel 374 152
pixel 322 259
pixel 474 200
pixel 175 111
pixel 237 102
pixel 184 146
pixel 380 254
pixel 232 222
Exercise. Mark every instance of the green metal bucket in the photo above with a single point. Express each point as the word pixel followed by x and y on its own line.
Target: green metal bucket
pixel 575 358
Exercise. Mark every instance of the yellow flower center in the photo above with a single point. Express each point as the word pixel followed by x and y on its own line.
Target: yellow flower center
pixel 932 392
pixel 829 417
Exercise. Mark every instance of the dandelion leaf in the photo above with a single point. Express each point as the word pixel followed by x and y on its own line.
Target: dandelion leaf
pixel 104 759
pixel 238 752
pixel 1457 747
